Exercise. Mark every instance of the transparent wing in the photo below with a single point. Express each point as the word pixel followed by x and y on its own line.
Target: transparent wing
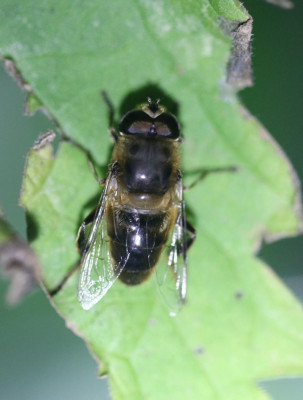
pixel 98 272
pixel 172 269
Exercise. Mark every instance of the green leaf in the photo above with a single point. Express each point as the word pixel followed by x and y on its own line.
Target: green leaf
pixel 240 324
pixel 230 9
pixel 32 104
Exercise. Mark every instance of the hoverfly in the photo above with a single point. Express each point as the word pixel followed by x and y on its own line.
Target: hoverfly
pixel 140 216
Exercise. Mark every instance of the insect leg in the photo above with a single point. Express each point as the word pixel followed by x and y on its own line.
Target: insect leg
pixel 190 234
pixel 204 172
pixel 101 181
pixel 84 231
pixel 111 115
pixel 88 157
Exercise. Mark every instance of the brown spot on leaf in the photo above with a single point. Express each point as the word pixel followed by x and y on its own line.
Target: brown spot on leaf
pixel 44 139
pixel 199 350
pixel 13 71
pixel 239 70
pixel 239 294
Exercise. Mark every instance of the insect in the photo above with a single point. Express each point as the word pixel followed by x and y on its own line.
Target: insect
pixel 140 217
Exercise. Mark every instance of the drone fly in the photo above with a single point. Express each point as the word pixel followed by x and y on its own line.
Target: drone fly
pixel 140 217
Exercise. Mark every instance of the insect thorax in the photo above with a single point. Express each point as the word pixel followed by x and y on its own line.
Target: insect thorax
pixel 147 165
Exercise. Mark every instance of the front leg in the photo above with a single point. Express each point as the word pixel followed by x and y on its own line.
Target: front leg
pixel 204 172
pixel 84 231
pixel 110 108
pixel 190 233
pixel 101 181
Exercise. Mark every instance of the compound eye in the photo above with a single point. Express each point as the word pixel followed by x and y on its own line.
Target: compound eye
pixel 136 123
pixel 167 126
pixel 139 123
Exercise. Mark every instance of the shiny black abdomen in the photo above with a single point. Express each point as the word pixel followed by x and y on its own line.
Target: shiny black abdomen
pixel 138 238
pixel 148 166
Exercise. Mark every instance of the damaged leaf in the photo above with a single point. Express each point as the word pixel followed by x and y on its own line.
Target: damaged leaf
pixel 239 73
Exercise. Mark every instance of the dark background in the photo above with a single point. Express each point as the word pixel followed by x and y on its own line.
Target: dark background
pixel 40 358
